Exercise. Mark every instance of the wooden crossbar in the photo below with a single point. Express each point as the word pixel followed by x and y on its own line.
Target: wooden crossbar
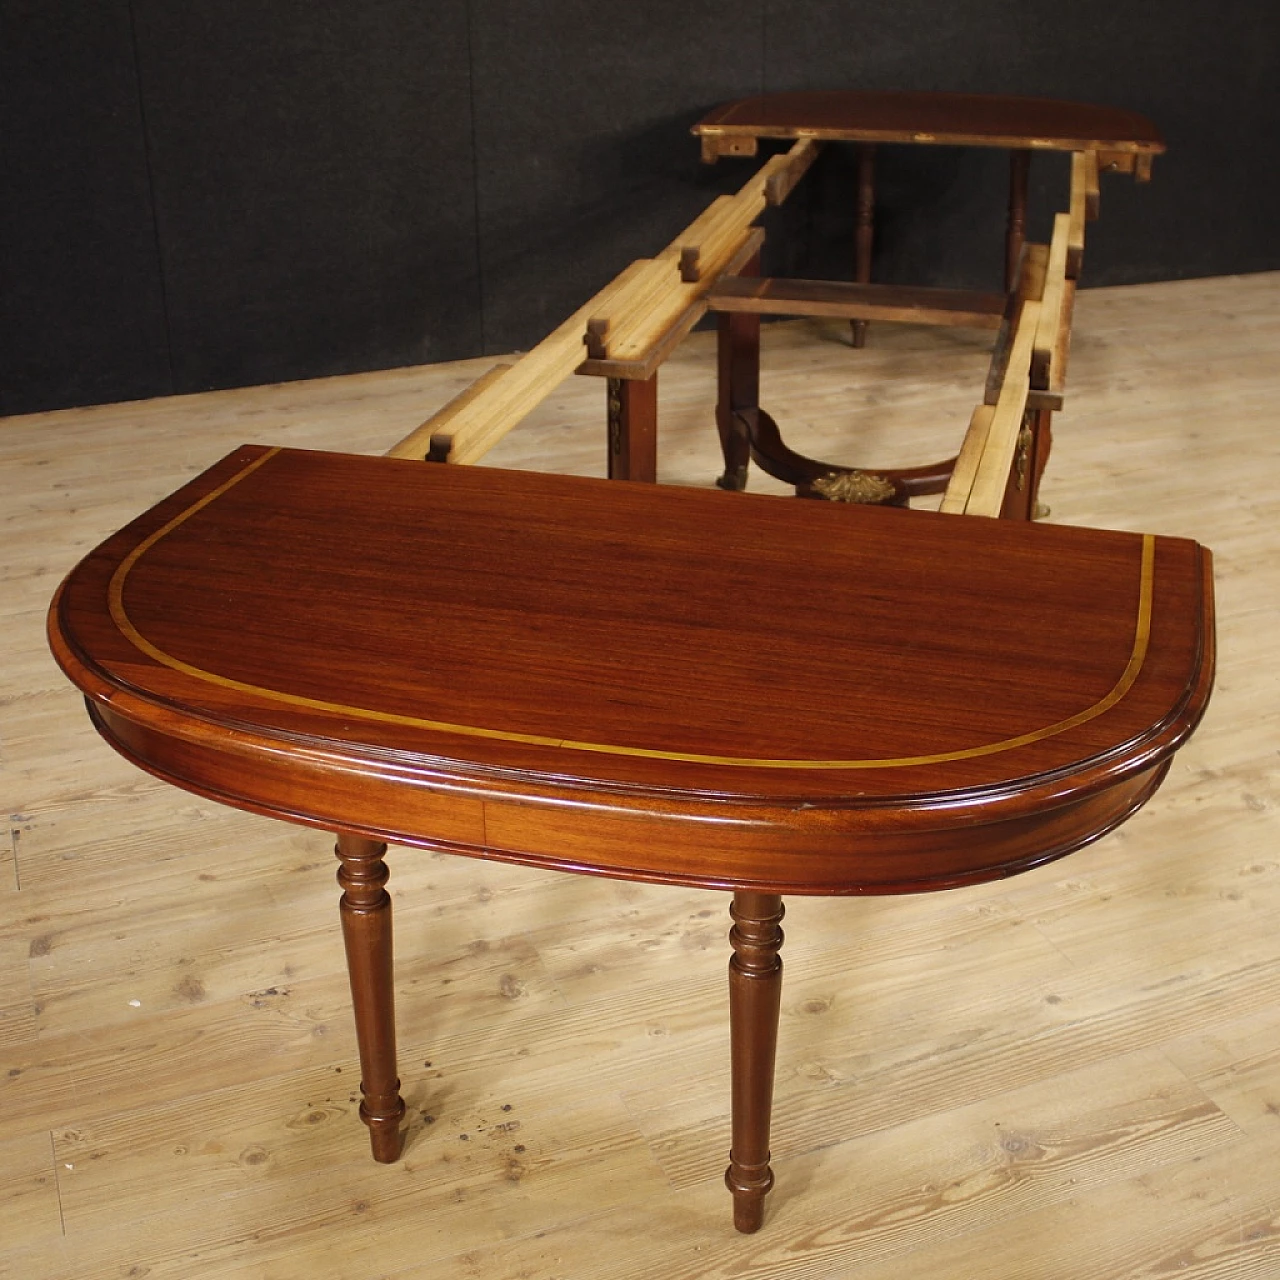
pixel 916 305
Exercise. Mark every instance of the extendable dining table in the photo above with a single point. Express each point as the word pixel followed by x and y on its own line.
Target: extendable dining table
pixel 679 686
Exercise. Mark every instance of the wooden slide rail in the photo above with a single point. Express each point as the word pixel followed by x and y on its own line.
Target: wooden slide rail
pixel 1028 367
pixel 636 346
pixel 625 330
pixel 630 326
pixel 1005 422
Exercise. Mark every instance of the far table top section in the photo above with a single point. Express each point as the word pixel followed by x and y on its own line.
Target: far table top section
pixel 942 119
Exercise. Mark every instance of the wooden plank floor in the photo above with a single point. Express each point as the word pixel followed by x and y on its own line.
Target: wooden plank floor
pixel 1073 1074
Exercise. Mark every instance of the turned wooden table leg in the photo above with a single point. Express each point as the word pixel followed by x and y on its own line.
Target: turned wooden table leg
pixel 738 385
pixel 366 930
pixel 1016 229
pixel 633 429
pixel 755 992
pixel 864 230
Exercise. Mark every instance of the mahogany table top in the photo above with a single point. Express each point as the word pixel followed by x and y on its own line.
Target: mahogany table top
pixel 957 119
pixel 669 684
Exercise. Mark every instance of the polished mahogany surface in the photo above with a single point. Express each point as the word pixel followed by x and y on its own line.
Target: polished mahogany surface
pixel 668 684
pixel 962 119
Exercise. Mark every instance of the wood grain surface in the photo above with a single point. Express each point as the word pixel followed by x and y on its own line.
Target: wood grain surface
pixel 1071 1074
pixel 534 667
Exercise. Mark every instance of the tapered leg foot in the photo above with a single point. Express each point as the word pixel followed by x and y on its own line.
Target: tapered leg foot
pixel 748 1200
pixel 385 1141
pixel 755 994
pixel 366 931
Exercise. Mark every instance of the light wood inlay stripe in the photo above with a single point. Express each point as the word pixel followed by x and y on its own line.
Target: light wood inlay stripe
pixel 1142 631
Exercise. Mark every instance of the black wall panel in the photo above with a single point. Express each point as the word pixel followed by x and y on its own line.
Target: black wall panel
pixel 313 181
pixel 1205 73
pixel 81 307
pixel 583 150
pixel 210 194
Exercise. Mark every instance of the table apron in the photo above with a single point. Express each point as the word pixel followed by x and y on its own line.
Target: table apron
pixel 797 852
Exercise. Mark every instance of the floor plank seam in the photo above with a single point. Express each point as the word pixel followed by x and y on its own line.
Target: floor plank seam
pixel 1049 942
pixel 1193 1083
pixel 15 834
pixel 57 1184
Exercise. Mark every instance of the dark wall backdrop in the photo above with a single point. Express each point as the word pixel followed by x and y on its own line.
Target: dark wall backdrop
pixel 207 194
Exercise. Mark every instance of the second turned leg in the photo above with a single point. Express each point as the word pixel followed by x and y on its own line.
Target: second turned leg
pixel 755 994
pixel 366 930
pixel 864 231
pixel 738 384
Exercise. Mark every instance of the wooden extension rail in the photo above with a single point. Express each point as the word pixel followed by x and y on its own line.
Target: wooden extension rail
pixel 634 323
pixel 987 455
pixel 1028 373
pixel 628 328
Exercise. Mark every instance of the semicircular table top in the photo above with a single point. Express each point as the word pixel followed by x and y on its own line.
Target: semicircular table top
pixel 666 683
